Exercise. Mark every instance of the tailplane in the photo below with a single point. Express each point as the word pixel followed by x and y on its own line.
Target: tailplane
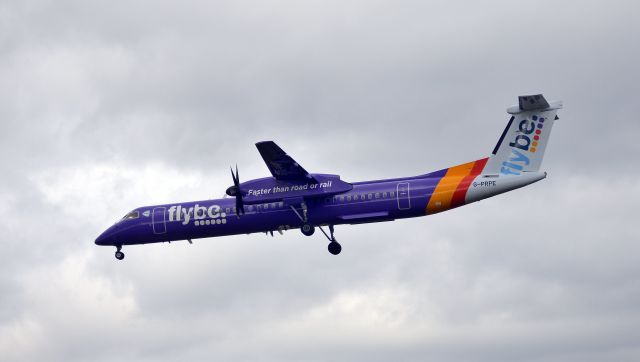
pixel 522 144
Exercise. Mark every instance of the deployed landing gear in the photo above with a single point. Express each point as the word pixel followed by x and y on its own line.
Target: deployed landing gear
pixel 334 247
pixel 307 229
pixel 119 254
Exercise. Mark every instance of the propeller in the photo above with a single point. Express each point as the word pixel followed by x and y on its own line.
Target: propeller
pixel 235 191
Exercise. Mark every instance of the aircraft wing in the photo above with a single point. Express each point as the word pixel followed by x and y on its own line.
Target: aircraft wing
pixel 281 165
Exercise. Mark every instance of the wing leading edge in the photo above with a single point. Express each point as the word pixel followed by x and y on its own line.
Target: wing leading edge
pixel 281 165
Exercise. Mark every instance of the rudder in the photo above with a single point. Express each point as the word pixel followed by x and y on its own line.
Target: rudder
pixel 523 142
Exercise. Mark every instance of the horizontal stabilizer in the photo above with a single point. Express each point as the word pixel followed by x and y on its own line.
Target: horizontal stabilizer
pixel 530 103
pixel 534 102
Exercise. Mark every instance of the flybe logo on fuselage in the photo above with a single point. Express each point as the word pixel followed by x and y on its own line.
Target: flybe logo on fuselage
pixel 527 139
pixel 200 215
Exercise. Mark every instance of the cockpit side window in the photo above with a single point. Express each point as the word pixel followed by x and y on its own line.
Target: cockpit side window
pixel 132 215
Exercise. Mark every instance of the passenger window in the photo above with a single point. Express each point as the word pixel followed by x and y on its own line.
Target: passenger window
pixel 250 208
pixel 384 194
pixel 392 194
pixel 227 210
pixel 341 198
pixel 265 206
pixel 348 198
pixel 355 197
pixel 273 206
pixel 377 195
pixel 233 209
pixel 370 196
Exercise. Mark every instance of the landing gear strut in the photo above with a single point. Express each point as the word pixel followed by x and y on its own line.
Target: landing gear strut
pixel 307 229
pixel 119 254
pixel 334 246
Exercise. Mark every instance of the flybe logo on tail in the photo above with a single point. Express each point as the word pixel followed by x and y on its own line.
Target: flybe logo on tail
pixel 528 136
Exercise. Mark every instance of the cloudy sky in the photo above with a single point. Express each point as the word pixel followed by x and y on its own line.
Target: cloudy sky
pixel 105 107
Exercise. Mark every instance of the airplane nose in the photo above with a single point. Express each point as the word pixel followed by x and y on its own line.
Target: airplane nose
pixel 106 238
pixel 102 239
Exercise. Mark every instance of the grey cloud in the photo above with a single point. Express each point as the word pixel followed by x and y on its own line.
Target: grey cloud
pixel 362 89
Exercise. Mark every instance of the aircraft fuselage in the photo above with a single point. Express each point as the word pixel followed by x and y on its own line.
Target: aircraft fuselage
pixel 366 202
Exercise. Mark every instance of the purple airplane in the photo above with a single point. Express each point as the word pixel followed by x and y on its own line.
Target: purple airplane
pixel 294 198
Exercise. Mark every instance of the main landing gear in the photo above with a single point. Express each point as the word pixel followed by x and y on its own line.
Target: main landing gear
pixel 334 246
pixel 307 229
pixel 119 254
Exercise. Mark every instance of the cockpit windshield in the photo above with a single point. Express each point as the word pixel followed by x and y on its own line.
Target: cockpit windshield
pixel 132 215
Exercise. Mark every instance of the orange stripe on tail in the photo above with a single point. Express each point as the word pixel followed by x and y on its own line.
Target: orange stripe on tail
pixel 461 191
pixel 452 188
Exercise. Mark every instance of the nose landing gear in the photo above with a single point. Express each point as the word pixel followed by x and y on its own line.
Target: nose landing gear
pixel 119 254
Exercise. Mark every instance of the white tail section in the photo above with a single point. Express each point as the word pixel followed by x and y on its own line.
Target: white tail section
pixel 523 142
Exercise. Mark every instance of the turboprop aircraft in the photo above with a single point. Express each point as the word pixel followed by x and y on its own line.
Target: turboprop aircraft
pixel 293 198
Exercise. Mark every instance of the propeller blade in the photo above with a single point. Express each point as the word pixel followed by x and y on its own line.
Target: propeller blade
pixel 239 204
pixel 233 176
pixel 236 191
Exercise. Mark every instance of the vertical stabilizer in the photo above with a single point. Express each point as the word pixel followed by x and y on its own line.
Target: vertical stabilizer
pixel 522 144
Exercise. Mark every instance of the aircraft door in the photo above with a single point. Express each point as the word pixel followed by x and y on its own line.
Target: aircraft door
pixel 158 220
pixel 404 201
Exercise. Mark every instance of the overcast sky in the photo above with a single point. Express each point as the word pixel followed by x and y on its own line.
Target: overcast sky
pixel 105 107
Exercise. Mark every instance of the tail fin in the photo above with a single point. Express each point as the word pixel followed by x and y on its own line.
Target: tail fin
pixel 522 144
